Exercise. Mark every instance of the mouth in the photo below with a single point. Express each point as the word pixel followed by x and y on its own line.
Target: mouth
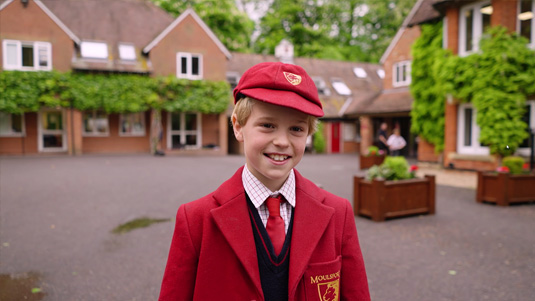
pixel 277 157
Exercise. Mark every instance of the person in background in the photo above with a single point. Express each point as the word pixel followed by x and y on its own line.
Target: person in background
pixel 396 143
pixel 382 137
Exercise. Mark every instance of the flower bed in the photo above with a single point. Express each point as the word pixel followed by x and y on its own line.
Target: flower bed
pixel 373 157
pixel 504 188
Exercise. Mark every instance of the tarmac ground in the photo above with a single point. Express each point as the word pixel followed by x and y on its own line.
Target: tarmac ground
pixel 57 215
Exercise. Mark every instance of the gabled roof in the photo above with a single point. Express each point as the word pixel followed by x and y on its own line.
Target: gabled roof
pixel 112 21
pixel 52 16
pixel 421 12
pixel 334 105
pixel 188 12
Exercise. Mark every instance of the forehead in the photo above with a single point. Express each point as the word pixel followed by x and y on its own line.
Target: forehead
pixel 265 110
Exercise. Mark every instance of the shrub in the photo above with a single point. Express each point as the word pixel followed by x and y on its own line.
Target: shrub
pixel 373 151
pixel 393 168
pixel 319 140
pixel 514 163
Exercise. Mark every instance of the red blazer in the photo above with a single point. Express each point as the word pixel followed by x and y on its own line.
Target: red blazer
pixel 213 254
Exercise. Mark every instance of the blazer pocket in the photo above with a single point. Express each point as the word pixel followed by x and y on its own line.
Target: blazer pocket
pixel 322 280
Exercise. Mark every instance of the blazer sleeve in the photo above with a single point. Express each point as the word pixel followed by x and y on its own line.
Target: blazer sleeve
pixel 353 282
pixel 180 272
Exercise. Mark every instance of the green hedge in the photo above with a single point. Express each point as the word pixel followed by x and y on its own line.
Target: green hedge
pixel 29 91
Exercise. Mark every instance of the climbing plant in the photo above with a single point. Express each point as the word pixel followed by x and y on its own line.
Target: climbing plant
pixel 496 80
pixel 115 93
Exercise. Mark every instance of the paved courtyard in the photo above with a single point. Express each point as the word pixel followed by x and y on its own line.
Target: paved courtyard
pixel 57 215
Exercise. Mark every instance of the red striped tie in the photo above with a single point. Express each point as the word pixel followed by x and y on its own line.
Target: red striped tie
pixel 275 223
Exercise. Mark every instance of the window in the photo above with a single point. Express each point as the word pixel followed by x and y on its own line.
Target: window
pixel 52 134
pixel 340 87
pixel 526 20
pixel 127 52
pixel 26 56
pixel 94 50
pixel 321 86
pixel 360 72
pixel 11 124
pixel 402 74
pixel 529 119
pixel 132 124
pixel 474 20
pixel 468 132
pixel 381 73
pixel 189 65
pixel 184 131
pixel 95 123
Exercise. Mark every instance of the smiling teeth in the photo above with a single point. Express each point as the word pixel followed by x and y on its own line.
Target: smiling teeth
pixel 278 157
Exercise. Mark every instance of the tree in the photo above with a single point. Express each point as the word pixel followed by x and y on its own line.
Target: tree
pixel 231 26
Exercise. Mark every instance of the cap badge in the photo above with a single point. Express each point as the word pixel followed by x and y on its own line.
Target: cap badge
pixel 293 79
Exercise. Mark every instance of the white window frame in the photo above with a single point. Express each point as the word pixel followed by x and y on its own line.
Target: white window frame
pixel 18 65
pixel 183 132
pixel 41 132
pixel 475 147
pixel 189 57
pixel 7 117
pixel 139 133
pixel 127 52
pixel 94 50
pixel 95 133
pixel 477 26
pixel 396 74
pixel 532 38
pixel 525 151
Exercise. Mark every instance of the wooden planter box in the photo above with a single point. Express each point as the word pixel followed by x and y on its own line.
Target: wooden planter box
pixel 369 161
pixel 380 199
pixel 503 188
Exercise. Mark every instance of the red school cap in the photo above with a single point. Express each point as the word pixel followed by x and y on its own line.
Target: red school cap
pixel 280 84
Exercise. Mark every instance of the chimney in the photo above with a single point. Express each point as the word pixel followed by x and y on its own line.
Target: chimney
pixel 285 52
pixel 24 2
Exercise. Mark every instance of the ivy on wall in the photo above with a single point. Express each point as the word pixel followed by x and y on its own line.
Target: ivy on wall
pixel 29 91
pixel 496 80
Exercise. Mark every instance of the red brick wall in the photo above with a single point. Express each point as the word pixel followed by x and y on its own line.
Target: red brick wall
pixel 504 13
pixel 474 165
pixel 452 16
pixel 31 23
pixel 366 133
pixel 426 152
pixel 450 131
pixel 400 52
pixel 22 145
pixel 188 36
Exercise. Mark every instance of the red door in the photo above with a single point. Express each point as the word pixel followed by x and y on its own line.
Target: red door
pixel 335 137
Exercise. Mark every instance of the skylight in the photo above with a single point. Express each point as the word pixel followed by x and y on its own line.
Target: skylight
pixel 127 52
pixel 340 87
pixel 359 72
pixel 95 50
pixel 381 73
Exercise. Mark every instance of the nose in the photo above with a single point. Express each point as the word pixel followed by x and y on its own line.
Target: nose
pixel 281 139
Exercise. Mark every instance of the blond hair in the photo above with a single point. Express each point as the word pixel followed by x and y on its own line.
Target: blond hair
pixel 244 107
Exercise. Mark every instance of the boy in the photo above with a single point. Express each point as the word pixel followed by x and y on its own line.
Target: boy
pixel 268 233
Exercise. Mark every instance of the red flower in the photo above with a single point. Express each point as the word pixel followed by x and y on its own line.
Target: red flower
pixel 413 168
pixel 502 169
pixel 525 166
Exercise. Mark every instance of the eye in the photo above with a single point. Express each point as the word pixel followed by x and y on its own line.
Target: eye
pixel 267 125
pixel 297 129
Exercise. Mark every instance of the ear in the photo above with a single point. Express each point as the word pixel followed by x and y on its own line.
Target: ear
pixel 237 128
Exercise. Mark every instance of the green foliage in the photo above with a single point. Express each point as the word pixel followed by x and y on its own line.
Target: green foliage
pixel 232 27
pixel 373 150
pixel 495 80
pixel 29 91
pixel 319 139
pixel 393 168
pixel 514 163
pixel 428 107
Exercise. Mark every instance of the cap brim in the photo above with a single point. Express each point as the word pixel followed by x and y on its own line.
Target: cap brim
pixel 284 98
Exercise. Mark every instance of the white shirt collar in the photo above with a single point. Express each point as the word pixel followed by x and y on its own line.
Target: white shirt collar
pixel 258 192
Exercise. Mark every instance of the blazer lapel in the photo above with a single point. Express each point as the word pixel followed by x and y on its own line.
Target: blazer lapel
pixel 232 218
pixel 311 218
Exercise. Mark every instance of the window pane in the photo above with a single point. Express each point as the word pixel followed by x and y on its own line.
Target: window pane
pixel 27 56
pixel 127 52
pixel 526 18
pixel 467 127
pixel 54 140
pixel 5 123
pixel 195 65
pixel 52 121
pixel 11 53
pixel 176 142
pixel 184 65
pixel 88 122
pixel 101 122
pixel 191 139
pixel 175 121
pixel 94 50
pixel 191 122
pixel 486 12
pixel 16 123
pixel 137 123
pixel 43 56
pixel 468 17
